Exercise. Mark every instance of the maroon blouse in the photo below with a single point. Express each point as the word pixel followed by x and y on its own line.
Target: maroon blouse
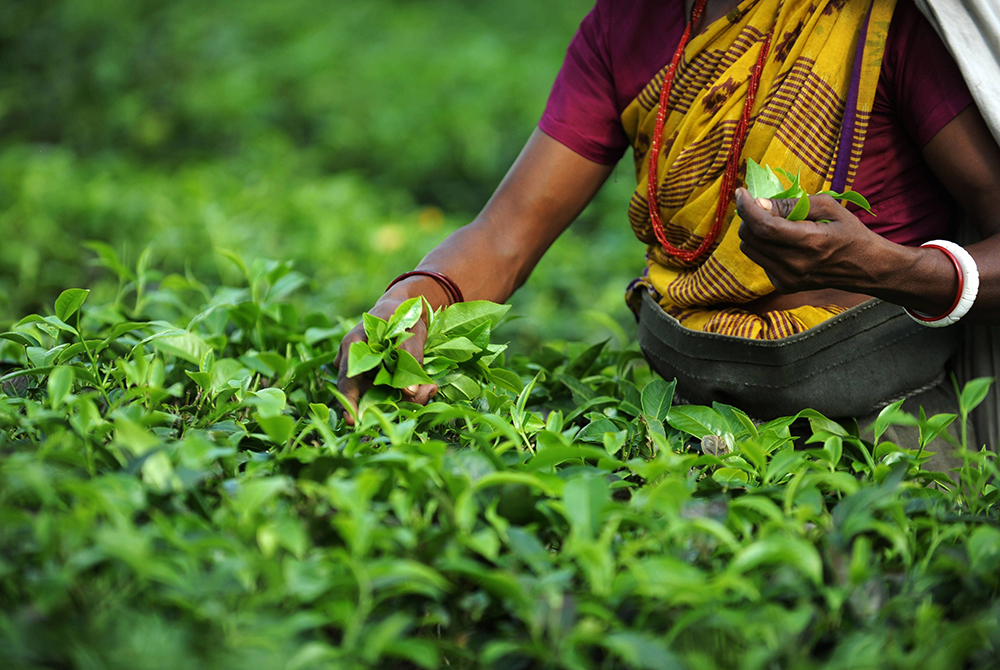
pixel 622 44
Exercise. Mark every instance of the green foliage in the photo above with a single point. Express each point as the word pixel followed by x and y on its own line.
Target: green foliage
pixel 175 488
pixel 763 182
pixel 350 138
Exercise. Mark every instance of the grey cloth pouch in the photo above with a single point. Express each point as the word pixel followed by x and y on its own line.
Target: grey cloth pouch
pixel 848 366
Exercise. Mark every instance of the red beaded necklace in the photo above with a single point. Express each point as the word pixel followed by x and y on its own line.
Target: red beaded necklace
pixel 732 160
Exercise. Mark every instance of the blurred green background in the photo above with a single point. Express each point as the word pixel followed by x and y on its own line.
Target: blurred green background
pixel 347 136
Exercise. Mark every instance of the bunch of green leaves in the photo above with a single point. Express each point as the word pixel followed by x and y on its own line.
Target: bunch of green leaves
pixel 457 355
pixel 763 182
pixel 182 495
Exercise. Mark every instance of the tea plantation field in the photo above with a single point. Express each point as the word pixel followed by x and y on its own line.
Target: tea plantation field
pixel 199 199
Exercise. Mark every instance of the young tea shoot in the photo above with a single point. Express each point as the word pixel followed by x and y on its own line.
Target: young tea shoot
pixel 763 182
pixel 457 356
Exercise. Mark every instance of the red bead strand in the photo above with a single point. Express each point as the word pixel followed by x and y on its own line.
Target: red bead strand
pixel 732 159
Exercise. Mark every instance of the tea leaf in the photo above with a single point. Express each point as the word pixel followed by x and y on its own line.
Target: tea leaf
pixel 801 209
pixel 376 329
pixel 405 317
pixel 761 181
pixel 584 500
pixel 409 372
pixel 462 318
pixel 60 383
pixel 361 359
pixel 69 301
pixel 850 196
pixel 974 393
pixel 780 551
pixel 20 338
pixel 657 397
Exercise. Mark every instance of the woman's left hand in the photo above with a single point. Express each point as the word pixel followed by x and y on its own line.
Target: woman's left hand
pixel 830 249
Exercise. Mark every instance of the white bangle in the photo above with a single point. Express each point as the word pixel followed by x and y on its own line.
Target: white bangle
pixel 968 285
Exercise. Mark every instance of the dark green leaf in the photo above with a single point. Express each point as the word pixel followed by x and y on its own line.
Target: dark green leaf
pixel 657 397
pixel 20 338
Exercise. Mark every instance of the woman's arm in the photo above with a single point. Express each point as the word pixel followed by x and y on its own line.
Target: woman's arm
pixel 845 255
pixel 544 191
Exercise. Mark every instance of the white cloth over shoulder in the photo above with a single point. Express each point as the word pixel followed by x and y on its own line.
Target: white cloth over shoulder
pixel 971 31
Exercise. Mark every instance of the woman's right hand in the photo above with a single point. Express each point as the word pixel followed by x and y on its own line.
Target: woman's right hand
pixel 354 387
pixel 545 189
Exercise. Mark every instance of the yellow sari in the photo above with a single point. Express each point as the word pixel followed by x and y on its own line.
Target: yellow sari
pixel 805 95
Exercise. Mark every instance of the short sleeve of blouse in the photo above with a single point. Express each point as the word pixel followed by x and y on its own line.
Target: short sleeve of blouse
pixel 923 79
pixel 581 111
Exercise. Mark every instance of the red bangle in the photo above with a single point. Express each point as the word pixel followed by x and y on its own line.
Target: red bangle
pixel 961 286
pixel 449 286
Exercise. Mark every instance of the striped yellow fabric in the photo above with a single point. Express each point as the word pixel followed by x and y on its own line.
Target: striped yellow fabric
pixel 796 125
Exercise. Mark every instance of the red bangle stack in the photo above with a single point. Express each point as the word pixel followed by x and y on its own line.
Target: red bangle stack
pixel 450 287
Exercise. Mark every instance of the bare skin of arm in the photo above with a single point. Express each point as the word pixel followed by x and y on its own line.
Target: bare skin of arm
pixel 842 262
pixel 544 191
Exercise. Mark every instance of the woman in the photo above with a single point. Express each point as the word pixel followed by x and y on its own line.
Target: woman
pixel 846 93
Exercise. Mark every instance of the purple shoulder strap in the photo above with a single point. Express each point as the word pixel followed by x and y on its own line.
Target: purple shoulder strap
pixel 850 112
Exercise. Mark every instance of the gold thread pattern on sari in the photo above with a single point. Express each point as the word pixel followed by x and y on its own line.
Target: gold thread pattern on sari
pixel 796 125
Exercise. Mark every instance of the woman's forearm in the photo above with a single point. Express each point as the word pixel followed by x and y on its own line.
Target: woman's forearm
pixel 544 191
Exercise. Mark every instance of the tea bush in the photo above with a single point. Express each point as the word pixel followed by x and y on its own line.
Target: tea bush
pixel 176 491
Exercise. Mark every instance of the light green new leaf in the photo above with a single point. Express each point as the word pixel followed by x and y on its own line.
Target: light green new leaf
pixel 361 359
pixel 974 393
pixel 801 209
pixel 69 301
pixel 405 317
pixel 983 548
pixel 59 324
pixel 269 401
pixel 761 181
pixel 183 344
pixel 320 411
pixel 60 383
pixel 278 428
pixel 383 378
pixel 584 498
pixel 852 197
pixel 731 477
pixel 459 349
pixel 892 415
pixel 934 426
pixel 779 551
pixel 464 317
pixel 375 328
pixel 409 372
